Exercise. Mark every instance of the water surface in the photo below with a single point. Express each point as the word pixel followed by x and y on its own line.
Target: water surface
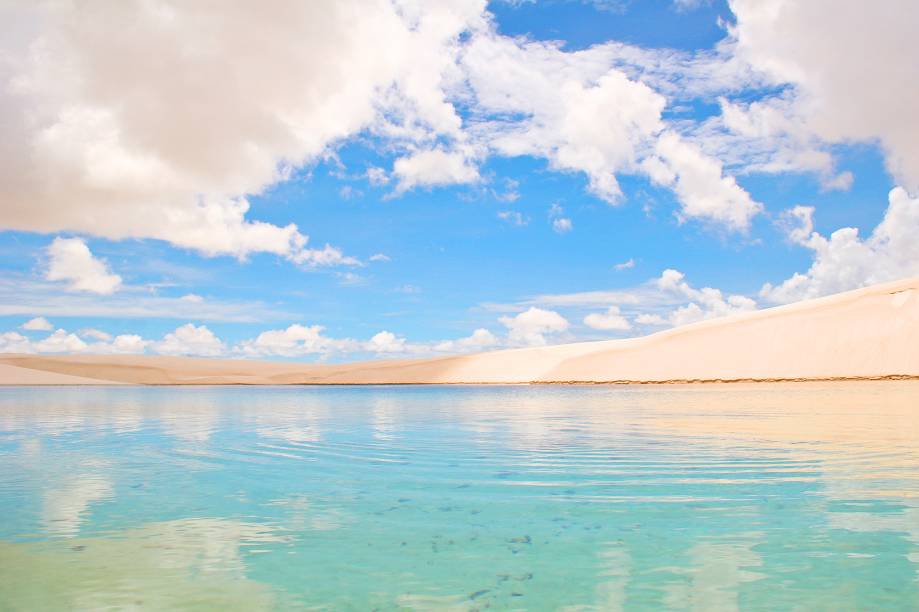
pixel 795 496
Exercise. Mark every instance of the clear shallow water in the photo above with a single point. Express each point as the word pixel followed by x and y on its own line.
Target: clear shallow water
pixel 800 496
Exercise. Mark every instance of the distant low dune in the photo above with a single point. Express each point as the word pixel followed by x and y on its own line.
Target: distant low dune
pixel 867 333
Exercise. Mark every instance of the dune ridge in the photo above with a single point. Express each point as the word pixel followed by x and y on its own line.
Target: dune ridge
pixel 865 334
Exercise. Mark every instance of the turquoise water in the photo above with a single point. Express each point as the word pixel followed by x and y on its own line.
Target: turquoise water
pixel 719 497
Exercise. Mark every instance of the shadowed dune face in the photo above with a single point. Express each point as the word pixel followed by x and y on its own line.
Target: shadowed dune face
pixel 868 333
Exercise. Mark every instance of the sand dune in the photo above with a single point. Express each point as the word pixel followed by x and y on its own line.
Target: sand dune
pixel 867 333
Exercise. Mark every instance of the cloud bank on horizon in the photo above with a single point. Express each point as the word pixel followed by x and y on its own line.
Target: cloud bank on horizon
pixel 276 157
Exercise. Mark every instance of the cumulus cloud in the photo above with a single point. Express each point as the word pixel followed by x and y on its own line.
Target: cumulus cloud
pixel 70 260
pixel 514 218
pixel 96 334
pixel 191 340
pixel 434 167
pixel 124 344
pixel 781 39
pixel 142 117
pixel 14 342
pixel 531 326
pixel 704 303
pixel 650 319
pixel 37 324
pixel 480 339
pixel 578 113
pixel 611 320
pixel 326 256
pixel 584 114
pixel 294 341
pixel 846 261
pixel 560 223
pixel 386 342
pixel 376 176
pixel 300 340
pixel 700 183
pixel 60 341
pixel 770 136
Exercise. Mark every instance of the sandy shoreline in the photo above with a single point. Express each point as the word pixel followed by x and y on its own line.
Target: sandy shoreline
pixel 866 334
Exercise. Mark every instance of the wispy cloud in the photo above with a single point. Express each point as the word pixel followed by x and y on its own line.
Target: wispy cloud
pixel 19 296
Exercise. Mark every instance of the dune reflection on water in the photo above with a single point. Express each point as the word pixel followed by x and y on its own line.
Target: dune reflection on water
pixel 700 496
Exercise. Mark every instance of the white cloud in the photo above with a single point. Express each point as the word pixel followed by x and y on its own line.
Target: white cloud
pixel 479 340
pixel 689 5
pixel 560 223
pixel 349 279
pixel 769 136
pixel 844 260
pixel 147 122
pixel 192 340
pixel 434 167
pixel 513 217
pixel 299 340
pixel 531 326
pixel 650 319
pixel 583 114
pixel 625 265
pixel 13 342
pixel 585 299
pixel 194 298
pixel 578 113
pixel 37 324
pixel 665 300
pixel 326 256
pixel 510 193
pixel 700 183
pixel 704 303
pixel 386 342
pixel 96 334
pixel 798 223
pixel 853 76
pixel 380 257
pixel 610 320
pixel 348 192
pixel 22 296
pixel 60 342
pixel 294 341
pixel 70 260
pixel 124 344
pixel 376 176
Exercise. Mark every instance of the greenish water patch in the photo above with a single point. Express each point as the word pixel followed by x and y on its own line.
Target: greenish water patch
pixel 795 496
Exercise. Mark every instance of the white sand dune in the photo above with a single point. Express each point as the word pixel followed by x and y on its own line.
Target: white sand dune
pixel 866 333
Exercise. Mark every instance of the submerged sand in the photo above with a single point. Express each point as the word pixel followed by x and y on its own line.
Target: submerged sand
pixel 870 333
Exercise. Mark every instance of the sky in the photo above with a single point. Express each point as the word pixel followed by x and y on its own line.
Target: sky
pixel 355 179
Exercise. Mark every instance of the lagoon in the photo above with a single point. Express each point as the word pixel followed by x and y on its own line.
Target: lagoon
pixel 713 497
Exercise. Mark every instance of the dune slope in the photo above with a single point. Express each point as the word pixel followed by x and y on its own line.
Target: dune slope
pixel 867 333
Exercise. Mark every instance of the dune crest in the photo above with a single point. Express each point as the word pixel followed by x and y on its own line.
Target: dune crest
pixel 870 333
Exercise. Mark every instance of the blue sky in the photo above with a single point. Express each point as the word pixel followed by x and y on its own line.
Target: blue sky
pixel 484 175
